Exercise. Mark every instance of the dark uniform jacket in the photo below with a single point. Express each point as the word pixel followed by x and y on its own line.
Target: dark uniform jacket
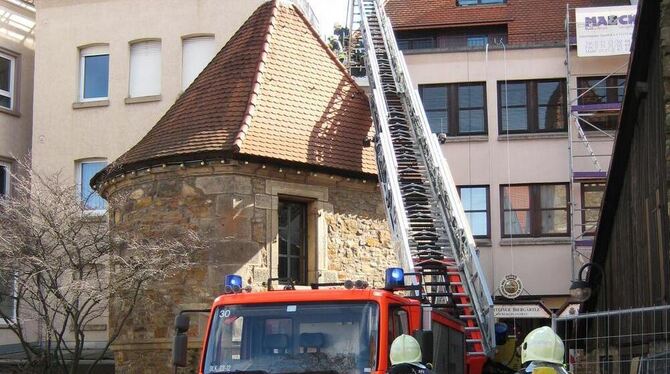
pixel 409 369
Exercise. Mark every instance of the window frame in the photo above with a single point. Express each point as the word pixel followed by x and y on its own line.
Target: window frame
pixel 160 66
pixel 8 177
pixel 535 210
pixel 611 119
pixel 14 316
pixel 82 70
pixel 453 107
pixel 303 258
pixel 78 167
pixel 594 186
pixel 398 319
pixel 488 208
pixel 184 40
pixel 480 3
pixel 13 80
pixel 532 106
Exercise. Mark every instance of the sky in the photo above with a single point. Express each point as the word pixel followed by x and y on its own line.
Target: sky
pixel 329 12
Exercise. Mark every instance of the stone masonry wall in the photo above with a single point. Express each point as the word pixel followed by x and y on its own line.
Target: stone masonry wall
pixel 233 207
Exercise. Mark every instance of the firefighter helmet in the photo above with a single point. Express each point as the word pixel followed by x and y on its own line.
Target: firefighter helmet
pixel 405 350
pixel 542 344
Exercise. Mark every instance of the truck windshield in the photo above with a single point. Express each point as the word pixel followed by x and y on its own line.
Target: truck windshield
pixel 293 338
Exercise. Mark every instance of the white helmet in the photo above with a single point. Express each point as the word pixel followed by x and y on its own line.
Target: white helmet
pixel 542 344
pixel 405 350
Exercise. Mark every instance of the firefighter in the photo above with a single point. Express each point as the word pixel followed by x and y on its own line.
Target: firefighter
pixel 542 352
pixel 406 356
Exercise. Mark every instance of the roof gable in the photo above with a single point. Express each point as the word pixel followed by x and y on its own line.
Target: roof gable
pixel 309 109
pixel 274 91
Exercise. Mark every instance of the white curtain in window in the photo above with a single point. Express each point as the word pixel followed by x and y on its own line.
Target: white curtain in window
pixel 197 53
pixel 145 68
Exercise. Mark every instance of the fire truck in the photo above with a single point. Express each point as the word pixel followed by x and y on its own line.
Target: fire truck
pixel 439 293
pixel 330 328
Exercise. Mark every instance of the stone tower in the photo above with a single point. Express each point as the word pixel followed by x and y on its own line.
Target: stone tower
pixel 263 155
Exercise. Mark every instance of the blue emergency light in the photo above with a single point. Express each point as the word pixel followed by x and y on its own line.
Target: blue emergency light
pixel 233 283
pixel 395 278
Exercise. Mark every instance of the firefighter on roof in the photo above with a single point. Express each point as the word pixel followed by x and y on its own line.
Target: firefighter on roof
pixel 406 356
pixel 542 352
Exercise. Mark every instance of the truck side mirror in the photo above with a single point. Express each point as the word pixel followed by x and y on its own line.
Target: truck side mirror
pixel 180 347
pixel 425 339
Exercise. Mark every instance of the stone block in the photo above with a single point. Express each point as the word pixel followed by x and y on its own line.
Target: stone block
pixel 242 185
pixel 168 187
pixel 260 275
pixel 189 191
pixel 263 201
pixel 136 194
pixel 214 184
pixel 239 252
pixel 328 276
pixel 237 206
pixel 258 232
pixel 258 185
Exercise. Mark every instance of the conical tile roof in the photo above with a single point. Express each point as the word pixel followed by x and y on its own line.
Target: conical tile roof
pixel 275 91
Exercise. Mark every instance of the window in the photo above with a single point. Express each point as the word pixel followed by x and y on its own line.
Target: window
pixel 455 109
pixel 7 78
pixel 337 337
pixel 398 324
pixel 475 201
pixel 474 41
pixel 5 177
pixel 145 69
pixel 7 297
pixel 479 2
pixel 592 196
pixel 293 241
pixel 531 106
pixel 94 73
pixel 535 210
pixel 416 43
pixel 86 170
pixel 197 53
pixel 601 90
pixel 453 38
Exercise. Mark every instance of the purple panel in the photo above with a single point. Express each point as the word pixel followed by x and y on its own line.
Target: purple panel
pixel 589 175
pixel 584 243
pixel 596 107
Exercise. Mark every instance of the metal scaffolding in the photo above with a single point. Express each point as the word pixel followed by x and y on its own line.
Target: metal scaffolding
pixel 592 111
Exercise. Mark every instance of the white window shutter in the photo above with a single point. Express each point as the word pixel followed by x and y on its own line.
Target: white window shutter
pixel 197 53
pixel 145 69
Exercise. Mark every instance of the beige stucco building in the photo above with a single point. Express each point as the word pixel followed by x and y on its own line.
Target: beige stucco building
pixel 17 43
pixel 17 52
pixel 503 92
pixel 497 159
pixel 69 127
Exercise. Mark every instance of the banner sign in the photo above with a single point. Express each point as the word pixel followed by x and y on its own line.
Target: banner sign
pixel 605 31
pixel 534 310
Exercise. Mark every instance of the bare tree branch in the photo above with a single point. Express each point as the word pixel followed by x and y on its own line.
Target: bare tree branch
pixel 66 264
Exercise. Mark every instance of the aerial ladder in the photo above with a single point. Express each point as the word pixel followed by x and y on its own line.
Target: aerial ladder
pixel 430 229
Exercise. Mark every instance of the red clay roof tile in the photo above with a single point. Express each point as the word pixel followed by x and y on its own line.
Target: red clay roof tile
pixel 275 91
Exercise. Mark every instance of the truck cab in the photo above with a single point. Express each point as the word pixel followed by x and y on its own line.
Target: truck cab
pixel 322 330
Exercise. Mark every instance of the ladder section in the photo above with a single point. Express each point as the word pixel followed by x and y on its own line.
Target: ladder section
pixel 421 199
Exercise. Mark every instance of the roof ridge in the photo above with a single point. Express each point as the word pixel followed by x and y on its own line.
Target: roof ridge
pixel 256 82
pixel 332 55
